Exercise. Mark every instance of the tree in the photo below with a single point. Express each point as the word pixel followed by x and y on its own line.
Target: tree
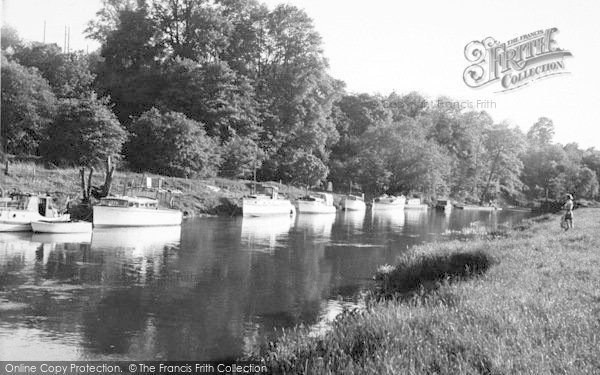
pixel 68 73
pixel 504 146
pixel 241 157
pixel 172 144
pixel 585 183
pixel 353 115
pixel 544 170
pixel 85 133
pixel 411 105
pixel 305 169
pixel 10 40
pixel 28 106
pixel 214 95
pixel 397 158
pixel 542 132
pixel 131 73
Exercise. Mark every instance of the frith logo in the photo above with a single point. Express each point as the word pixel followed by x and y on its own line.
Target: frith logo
pixel 515 63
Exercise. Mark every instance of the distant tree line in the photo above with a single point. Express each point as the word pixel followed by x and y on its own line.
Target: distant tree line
pixel 232 88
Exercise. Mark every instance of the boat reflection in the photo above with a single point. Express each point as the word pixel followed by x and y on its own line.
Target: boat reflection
pixel 263 234
pixel 139 240
pixel 56 238
pixel 416 217
pixel 388 218
pixel 316 224
pixel 353 219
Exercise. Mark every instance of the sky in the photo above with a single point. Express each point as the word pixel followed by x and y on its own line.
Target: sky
pixel 380 46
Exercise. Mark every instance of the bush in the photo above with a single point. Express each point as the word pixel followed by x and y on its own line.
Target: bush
pixel 172 144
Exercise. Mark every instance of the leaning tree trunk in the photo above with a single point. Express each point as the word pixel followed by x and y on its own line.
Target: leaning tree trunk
pixel 104 190
pixel 86 187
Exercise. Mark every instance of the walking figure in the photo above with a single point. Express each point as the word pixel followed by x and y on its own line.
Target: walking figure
pixel 568 218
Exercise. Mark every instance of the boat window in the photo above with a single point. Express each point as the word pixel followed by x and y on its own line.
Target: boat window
pixel 113 203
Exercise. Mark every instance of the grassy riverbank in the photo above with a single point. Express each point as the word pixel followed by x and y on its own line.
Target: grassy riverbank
pixel 206 196
pixel 524 301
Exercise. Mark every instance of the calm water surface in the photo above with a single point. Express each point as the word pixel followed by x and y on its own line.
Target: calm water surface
pixel 213 289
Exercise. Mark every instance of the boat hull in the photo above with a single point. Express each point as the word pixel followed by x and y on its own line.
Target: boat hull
pixel 15 227
pixel 308 207
pixel 416 207
pixel 61 227
pixel 479 208
pixel 105 216
pixel 388 206
pixel 267 207
pixel 353 205
pixel 20 221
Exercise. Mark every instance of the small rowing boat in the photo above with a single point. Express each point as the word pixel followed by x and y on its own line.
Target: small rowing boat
pixel 61 226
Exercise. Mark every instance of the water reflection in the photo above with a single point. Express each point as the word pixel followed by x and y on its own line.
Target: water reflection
pixel 57 238
pixel 318 225
pixel 417 218
pixel 265 233
pixel 352 220
pixel 392 219
pixel 212 289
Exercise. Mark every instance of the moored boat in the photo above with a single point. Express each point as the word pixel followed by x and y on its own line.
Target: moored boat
pixel 124 211
pixel 477 208
pixel 415 204
pixel 386 202
pixel 44 226
pixel 443 205
pixel 267 203
pixel 316 203
pixel 18 211
pixel 353 203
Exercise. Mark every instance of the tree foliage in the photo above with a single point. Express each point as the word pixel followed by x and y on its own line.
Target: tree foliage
pixel 172 144
pixel 85 133
pixel 241 157
pixel 28 107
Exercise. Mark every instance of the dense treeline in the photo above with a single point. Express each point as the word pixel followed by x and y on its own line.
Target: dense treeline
pixel 230 87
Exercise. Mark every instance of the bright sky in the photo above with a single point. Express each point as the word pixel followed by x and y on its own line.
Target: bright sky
pixel 381 46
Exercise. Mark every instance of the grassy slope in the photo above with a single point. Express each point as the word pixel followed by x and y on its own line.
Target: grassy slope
pixel 523 302
pixel 198 195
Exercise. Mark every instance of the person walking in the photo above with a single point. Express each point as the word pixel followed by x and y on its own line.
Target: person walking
pixel 568 207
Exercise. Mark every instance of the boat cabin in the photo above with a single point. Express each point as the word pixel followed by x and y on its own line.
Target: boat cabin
pixel 321 197
pixel 41 204
pixel 270 191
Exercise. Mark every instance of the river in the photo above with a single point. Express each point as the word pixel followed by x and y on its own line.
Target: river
pixel 214 289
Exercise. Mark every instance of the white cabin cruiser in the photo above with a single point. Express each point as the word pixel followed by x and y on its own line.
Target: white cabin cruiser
pixel 386 202
pixel 267 203
pixel 354 203
pixel 124 211
pixel 18 211
pixel 316 203
pixel 415 204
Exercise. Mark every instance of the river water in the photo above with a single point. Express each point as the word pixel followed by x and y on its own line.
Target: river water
pixel 214 289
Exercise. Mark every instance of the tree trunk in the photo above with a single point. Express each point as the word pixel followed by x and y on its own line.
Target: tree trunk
pixel 103 191
pixel 85 198
pixel 487 186
pixel 89 183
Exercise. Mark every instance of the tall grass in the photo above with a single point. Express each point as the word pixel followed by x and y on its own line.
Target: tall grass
pixel 526 302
